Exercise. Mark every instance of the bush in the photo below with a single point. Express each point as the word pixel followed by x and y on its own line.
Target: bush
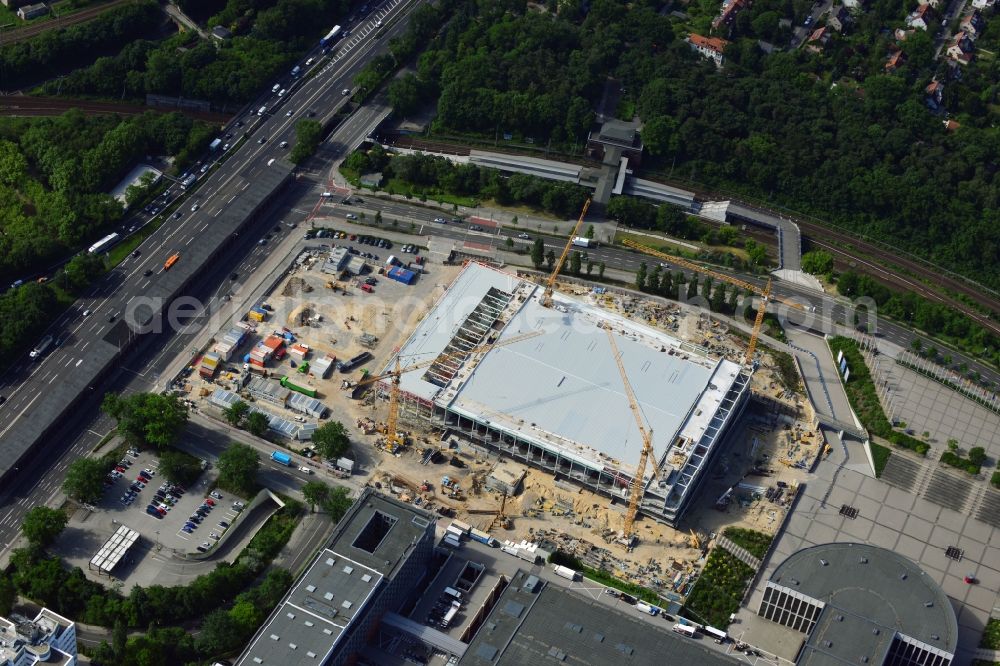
pixel 719 590
pixel 957 461
pixel 755 542
pixel 864 400
pixel 995 480
pixel 880 455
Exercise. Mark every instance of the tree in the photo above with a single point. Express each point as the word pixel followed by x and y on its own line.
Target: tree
pixel 590 231
pixel 84 480
pixel 179 467
pixel 817 262
pixel 257 424
pixel 575 260
pixel 331 440
pixel 41 525
pixel 718 300
pixel 692 289
pixel 238 466
pixel 977 455
pixel 405 95
pixel 640 277
pixel 600 270
pixel 8 595
pixel 119 639
pixel 538 253
pixel 337 503
pixel 236 412
pixel 146 418
pixel 308 134
pixel 219 633
pixel 706 287
pixel 315 492
pixel 590 267
pixel 550 259
pixel 509 243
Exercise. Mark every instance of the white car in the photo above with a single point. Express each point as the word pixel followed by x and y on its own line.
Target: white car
pixel 281 93
pixel 305 469
pixel 283 144
pixel 345 92
pixel 195 207
pixel 524 236
pixel 351 216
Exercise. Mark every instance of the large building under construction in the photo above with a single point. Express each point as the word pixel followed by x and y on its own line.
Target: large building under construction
pixel 551 395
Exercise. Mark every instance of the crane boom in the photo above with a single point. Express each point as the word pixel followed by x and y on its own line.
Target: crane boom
pixel 551 282
pixel 765 293
pixel 647 443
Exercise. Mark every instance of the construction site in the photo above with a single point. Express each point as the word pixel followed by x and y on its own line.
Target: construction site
pixel 625 430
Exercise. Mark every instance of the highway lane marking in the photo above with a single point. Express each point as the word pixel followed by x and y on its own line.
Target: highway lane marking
pixel 53 379
pixel 189 241
pixel 78 363
pixel 217 213
pixel 84 346
pixel 70 360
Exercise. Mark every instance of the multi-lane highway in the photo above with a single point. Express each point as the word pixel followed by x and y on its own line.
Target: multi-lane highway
pixel 93 319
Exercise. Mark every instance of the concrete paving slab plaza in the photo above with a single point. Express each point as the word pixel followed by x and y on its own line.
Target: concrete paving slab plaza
pixel 892 518
pixel 926 405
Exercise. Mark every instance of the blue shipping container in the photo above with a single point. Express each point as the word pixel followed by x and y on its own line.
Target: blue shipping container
pixel 402 275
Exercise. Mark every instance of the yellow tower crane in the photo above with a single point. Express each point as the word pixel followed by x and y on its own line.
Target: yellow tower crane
pixel 764 293
pixel 551 282
pixel 393 438
pixel 635 493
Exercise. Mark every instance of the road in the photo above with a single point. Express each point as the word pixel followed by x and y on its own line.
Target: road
pixel 40 475
pixel 821 313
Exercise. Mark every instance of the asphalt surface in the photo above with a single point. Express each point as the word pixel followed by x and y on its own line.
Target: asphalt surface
pixel 820 313
pixel 40 475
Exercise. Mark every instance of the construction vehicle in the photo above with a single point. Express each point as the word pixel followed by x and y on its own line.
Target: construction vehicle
pixel 764 293
pixel 551 282
pixel 627 537
pixel 394 439
pixel 695 541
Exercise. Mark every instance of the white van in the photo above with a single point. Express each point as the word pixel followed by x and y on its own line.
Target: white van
pixel 281 93
pixel 262 110
pixel 276 88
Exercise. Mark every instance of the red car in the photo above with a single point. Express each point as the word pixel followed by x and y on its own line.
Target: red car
pixel 160 511
pixel 141 479
pixel 209 501
pixel 120 469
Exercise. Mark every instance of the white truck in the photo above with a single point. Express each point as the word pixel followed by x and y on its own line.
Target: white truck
pixel 564 572
pixel 41 348
pixel 581 241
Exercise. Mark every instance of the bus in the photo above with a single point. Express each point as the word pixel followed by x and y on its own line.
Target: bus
pixel 330 36
pixel 103 244
pixel 171 261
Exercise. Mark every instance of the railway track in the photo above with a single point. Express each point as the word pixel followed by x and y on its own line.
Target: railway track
pixel 23 105
pixel 82 16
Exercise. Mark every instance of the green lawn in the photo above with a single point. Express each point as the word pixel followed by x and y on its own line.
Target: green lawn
pixel 719 589
pixel 755 542
pixel 880 455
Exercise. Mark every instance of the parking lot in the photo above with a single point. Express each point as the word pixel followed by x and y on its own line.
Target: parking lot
pixel 185 520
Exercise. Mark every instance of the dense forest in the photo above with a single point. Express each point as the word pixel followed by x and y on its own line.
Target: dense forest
pixel 268 36
pixel 54 173
pixel 864 153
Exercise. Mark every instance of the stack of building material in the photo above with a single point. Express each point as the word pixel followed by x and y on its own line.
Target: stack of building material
pixel 298 352
pixel 257 314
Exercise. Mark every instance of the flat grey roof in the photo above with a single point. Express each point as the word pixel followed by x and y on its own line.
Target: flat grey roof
pixel 562 389
pixel 887 592
pixel 338 585
pixel 528 627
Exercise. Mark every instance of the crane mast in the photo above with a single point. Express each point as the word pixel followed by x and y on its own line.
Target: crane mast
pixel 551 282
pixel 635 492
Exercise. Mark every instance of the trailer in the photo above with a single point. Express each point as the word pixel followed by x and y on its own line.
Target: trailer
pixel 564 572
pixel 281 458
pixel 450 615
pixel 287 383
pixel 646 608
pixel 482 537
pixel 452 592
pixel 581 241
pixel 684 630
pixel 719 635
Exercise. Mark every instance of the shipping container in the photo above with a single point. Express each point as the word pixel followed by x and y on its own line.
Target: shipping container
pixel 298 389
pixel 455 532
pixel 646 608
pixel 452 592
pixel 452 541
pixel 449 616
pixel 564 572
pixel 480 536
